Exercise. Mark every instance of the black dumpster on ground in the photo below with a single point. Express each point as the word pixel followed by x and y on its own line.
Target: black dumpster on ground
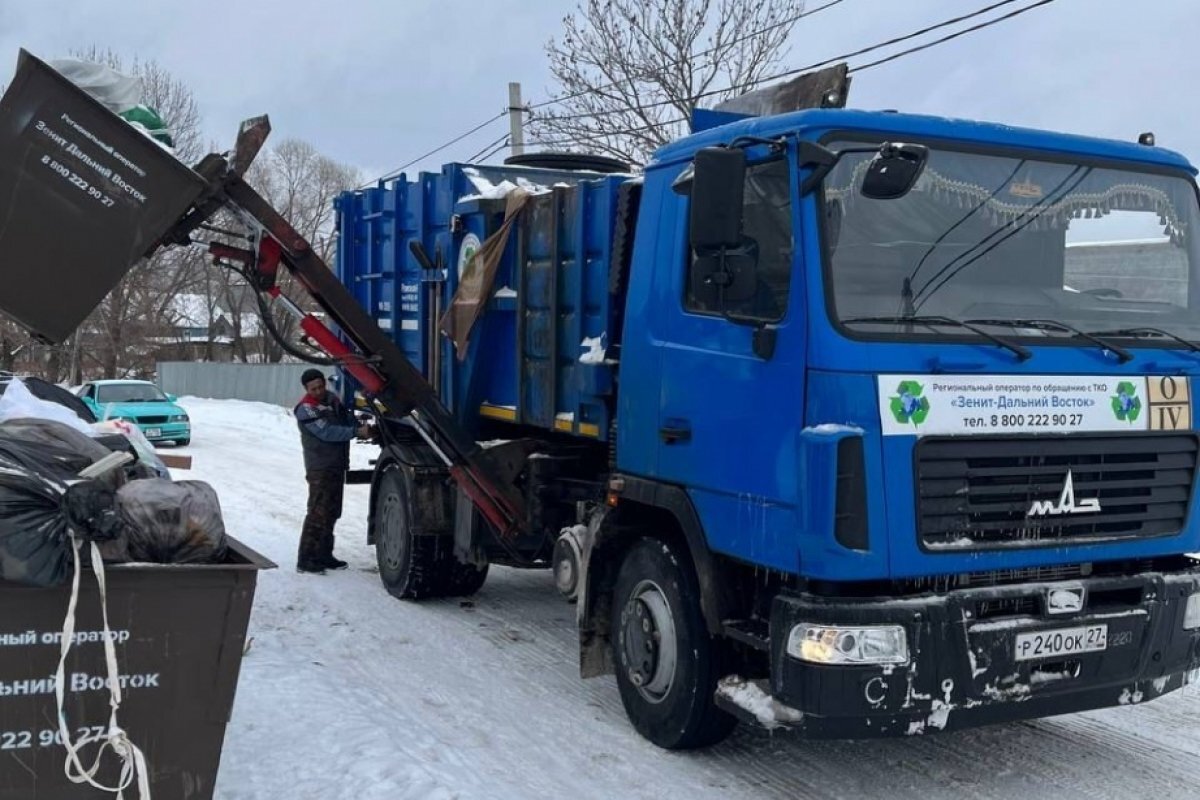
pixel 180 633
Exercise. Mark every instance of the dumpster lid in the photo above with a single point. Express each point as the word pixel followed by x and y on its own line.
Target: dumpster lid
pixel 90 196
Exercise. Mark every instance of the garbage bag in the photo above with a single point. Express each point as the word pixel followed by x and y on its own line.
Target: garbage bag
pixel 172 522
pixel 147 120
pixel 50 445
pixel 42 498
pixel 38 510
pixel 115 90
pixel 45 390
pixel 34 544
pixel 90 507
pixel 18 402
pixel 121 93
pixel 141 445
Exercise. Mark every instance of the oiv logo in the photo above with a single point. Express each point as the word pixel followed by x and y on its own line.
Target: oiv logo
pixel 1067 504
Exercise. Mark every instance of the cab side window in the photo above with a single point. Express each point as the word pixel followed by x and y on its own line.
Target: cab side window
pixel 753 282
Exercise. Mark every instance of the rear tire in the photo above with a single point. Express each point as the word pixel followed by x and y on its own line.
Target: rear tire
pixel 414 565
pixel 667 663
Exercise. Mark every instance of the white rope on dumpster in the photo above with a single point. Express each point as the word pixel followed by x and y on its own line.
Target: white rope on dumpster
pixel 133 761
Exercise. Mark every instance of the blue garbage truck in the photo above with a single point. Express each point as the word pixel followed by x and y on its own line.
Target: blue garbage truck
pixel 854 423
pixel 857 423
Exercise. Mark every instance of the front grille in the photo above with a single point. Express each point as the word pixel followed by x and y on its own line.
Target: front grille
pixel 151 420
pixel 977 493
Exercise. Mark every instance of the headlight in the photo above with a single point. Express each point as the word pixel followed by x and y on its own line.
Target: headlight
pixel 179 418
pixel 835 644
pixel 1191 614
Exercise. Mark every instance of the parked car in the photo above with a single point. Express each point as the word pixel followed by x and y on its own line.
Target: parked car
pixel 142 403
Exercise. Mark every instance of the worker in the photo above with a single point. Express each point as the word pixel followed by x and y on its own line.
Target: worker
pixel 326 429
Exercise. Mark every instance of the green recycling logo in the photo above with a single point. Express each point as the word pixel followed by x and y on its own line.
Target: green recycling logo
pixel 908 405
pixel 1125 403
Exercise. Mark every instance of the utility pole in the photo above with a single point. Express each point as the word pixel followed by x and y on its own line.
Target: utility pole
pixel 516 119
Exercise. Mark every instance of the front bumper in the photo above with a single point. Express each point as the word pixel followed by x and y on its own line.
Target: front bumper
pixel 167 431
pixel 962 669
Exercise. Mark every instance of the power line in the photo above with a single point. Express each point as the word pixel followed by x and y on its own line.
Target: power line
pixel 860 52
pixel 500 146
pixel 752 34
pixel 488 148
pixel 439 148
pixel 954 35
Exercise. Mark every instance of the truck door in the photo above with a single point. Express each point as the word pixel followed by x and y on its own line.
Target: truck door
pixel 728 416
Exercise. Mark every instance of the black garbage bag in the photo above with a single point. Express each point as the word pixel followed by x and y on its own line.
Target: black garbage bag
pixel 172 522
pixel 34 544
pixel 37 512
pixel 51 447
pixel 42 499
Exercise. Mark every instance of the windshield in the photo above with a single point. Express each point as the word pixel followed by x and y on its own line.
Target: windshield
pixel 990 238
pixel 129 393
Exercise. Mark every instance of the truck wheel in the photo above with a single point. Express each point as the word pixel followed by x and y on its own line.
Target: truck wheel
pixel 667 664
pixel 416 566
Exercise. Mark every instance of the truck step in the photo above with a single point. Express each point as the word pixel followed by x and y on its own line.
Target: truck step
pixel 753 632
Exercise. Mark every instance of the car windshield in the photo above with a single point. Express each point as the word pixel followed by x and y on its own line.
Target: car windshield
pixel 129 393
pixel 998 239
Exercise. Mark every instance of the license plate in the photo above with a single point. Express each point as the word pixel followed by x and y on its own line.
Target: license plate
pixel 1061 642
pixel 152 432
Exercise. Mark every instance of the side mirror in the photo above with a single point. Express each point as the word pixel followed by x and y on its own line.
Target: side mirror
pixel 893 173
pixel 171 398
pixel 718 185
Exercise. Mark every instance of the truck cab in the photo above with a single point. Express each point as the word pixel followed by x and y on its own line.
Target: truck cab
pixel 911 398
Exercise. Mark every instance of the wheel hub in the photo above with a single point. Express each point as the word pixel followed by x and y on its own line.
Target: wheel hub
pixel 391 542
pixel 650 649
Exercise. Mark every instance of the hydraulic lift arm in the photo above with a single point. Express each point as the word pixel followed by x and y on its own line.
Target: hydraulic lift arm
pixel 375 360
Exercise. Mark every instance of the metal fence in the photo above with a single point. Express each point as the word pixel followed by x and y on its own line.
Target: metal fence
pixel 267 383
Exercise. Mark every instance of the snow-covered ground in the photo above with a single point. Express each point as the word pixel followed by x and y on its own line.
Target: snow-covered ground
pixel 348 693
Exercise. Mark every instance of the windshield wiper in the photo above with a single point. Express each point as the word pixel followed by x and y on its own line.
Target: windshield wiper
pixel 1144 330
pixel 929 321
pixel 1121 353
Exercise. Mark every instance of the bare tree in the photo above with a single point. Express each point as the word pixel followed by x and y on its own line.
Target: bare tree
pixel 630 72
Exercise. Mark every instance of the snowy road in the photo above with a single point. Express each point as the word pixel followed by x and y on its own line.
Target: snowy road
pixel 347 693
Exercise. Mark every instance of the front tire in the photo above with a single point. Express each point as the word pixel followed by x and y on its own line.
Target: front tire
pixel 415 565
pixel 667 663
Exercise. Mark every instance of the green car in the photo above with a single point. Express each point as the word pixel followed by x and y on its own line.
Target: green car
pixel 143 404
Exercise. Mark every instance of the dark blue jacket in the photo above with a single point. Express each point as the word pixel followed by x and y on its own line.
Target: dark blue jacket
pixel 326 428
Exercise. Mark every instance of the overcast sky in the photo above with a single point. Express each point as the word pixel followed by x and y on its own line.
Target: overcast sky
pixel 378 82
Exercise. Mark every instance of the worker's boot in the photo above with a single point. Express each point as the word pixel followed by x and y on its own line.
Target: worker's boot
pixel 326 553
pixel 309 558
pixel 310 566
pixel 334 563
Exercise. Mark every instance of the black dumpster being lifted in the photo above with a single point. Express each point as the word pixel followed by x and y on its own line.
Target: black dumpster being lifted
pixel 83 196
pixel 180 632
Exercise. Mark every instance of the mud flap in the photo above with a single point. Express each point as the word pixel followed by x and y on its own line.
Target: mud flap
pixel 83 196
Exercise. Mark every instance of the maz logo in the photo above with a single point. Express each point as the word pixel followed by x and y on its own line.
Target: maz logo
pixel 1067 504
